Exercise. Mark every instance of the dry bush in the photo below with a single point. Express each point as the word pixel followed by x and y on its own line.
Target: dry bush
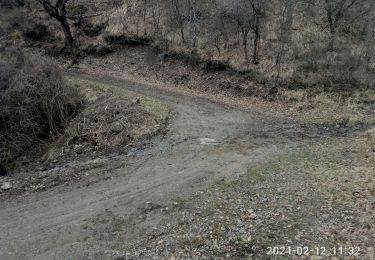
pixel 36 103
pixel 11 3
pixel 37 32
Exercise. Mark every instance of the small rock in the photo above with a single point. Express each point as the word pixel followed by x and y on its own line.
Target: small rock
pixel 6 186
pixel 136 101
pixel 255 248
pixel 239 223
pixel 208 141
pixel 98 161
pixel 253 216
pixel 116 127
pixel 43 169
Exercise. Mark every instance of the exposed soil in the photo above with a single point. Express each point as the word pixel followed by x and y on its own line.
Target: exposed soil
pixel 223 182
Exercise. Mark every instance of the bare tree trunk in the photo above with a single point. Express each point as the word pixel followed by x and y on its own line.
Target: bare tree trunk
pixel 194 19
pixel 69 40
pixel 245 49
pixel 217 46
pixel 58 11
pixel 255 51
pixel 332 31
pixel 180 19
pixel 244 43
pixel 195 36
pixel 331 24
pixel 289 14
pixel 256 41
pixel 144 17
pixel 285 36
pixel 182 34
pixel 258 12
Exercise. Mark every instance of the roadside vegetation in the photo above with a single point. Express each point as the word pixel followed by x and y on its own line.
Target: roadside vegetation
pixel 36 103
pixel 111 122
pixel 112 119
pixel 279 43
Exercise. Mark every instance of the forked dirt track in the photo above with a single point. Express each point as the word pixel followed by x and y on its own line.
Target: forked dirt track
pixel 205 142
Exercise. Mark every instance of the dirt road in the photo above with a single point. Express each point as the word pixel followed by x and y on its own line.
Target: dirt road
pixel 205 142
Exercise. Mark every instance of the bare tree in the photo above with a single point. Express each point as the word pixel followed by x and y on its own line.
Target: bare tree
pixel 248 15
pixel 193 17
pixel 57 10
pixel 216 28
pixel 258 12
pixel 179 18
pixel 336 10
pixel 238 12
pixel 289 13
pixel 156 17
pixel 287 17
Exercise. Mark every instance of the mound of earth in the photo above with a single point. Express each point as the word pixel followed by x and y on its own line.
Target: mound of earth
pixel 109 125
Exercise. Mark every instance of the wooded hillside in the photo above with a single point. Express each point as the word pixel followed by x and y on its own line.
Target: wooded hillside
pixel 292 43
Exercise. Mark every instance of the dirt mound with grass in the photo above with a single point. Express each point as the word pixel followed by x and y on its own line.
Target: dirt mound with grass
pixel 112 123
pixel 105 124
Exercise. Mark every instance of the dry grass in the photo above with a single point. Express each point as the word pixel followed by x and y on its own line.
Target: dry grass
pixel 106 122
pixel 112 119
pixel 36 103
pixel 354 108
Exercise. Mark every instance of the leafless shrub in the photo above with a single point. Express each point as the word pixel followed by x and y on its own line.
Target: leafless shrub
pixel 11 3
pixel 36 103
